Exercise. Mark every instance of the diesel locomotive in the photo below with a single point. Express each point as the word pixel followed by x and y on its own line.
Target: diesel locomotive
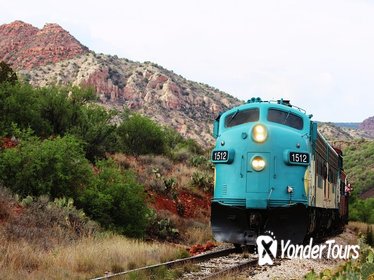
pixel 274 172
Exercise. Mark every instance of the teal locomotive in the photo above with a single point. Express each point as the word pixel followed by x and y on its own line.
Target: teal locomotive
pixel 274 172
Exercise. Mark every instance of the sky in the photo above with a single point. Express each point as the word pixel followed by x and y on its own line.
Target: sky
pixel 319 54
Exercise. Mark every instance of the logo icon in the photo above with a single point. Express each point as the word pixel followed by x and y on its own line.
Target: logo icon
pixel 267 248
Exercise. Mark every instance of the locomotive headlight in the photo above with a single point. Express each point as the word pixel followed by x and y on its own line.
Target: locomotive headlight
pixel 259 133
pixel 258 163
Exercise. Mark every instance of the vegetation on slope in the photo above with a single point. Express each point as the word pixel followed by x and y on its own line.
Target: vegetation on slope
pixel 359 165
pixel 61 144
pixel 64 157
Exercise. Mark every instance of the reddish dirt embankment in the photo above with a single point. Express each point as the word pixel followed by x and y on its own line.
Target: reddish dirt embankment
pixel 186 205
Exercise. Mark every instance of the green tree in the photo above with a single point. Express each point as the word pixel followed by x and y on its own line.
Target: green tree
pixel 7 74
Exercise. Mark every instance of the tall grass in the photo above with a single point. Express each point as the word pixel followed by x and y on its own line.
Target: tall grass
pixel 86 258
pixel 363 229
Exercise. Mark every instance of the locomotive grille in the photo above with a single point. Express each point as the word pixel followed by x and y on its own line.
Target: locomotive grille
pixel 224 189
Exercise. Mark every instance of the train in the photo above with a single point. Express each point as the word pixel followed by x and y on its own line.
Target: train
pixel 275 172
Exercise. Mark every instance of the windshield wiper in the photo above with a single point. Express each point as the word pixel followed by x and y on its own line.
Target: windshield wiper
pixel 285 120
pixel 232 117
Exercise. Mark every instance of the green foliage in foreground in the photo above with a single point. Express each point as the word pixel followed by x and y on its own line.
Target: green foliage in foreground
pixel 55 167
pixel 362 268
pixel 58 168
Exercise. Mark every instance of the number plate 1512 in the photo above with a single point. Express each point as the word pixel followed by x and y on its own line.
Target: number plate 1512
pixel 302 158
pixel 220 156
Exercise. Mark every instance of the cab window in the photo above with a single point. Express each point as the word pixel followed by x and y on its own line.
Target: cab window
pixel 285 118
pixel 242 116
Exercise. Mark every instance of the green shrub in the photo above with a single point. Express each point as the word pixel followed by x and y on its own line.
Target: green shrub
pixel 55 167
pixel 47 223
pixel 115 200
pixel 185 150
pixel 161 228
pixel 362 210
pixel 139 135
pixel 94 127
pixel 203 181
pixel 20 104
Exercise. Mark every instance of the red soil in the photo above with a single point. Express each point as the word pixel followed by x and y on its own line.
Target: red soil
pixel 199 248
pixel 186 204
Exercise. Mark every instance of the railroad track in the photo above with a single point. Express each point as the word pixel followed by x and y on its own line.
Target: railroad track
pixel 175 263
pixel 229 265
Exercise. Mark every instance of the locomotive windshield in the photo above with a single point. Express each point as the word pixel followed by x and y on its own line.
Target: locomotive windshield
pixel 285 118
pixel 240 117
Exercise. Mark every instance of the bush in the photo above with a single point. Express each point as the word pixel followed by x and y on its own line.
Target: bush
pixel 55 167
pixel 47 223
pixel 362 210
pixel 161 228
pixel 94 127
pixel 20 104
pixel 204 181
pixel 115 200
pixel 139 135
pixel 186 150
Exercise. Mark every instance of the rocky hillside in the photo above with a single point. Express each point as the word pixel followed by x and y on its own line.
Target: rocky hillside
pixel 336 133
pixel 52 56
pixel 368 125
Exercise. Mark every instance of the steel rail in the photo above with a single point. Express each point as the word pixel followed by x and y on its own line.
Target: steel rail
pixel 234 269
pixel 169 264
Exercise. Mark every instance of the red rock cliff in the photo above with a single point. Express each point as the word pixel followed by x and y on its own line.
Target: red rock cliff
pixel 25 47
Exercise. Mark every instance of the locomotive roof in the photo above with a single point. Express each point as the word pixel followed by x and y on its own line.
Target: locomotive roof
pixel 277 103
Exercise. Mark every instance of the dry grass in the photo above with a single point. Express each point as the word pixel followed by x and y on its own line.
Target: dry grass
pixel 86 258
pixel 363 229
pixel 198 234
pixel 191 231
pixel 359 227
pixel 46 241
